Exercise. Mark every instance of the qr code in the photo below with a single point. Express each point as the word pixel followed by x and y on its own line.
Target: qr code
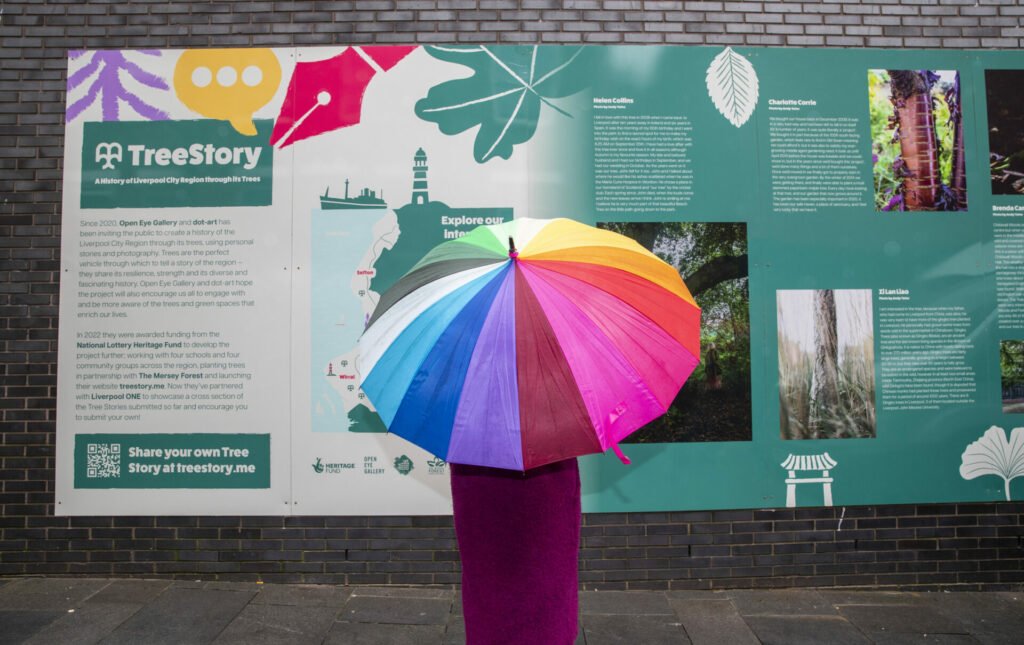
pixel 103 460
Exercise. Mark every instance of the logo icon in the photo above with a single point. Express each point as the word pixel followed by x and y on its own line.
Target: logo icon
pixel 318 466
pixel 108 153
pixel 403 465
pixel 436 466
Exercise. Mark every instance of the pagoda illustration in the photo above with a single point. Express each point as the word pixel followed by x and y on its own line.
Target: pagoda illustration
pixel 367 199
pixel 813 464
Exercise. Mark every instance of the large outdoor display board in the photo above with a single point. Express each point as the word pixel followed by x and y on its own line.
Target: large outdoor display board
pixel 851 223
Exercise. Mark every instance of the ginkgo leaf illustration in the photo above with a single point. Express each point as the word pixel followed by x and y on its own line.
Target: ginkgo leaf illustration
pixel 994 455
pixel 503 96
pixel 732 86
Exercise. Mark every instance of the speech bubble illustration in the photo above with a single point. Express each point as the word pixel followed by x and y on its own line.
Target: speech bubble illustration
pixel 227 84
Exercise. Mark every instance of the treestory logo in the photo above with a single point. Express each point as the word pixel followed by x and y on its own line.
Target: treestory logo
pixel 165 164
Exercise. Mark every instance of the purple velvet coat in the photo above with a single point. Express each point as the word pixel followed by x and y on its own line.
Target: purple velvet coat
pixel 519 537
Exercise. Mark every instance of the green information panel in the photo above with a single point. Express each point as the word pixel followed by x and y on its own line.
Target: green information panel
pixel 850 223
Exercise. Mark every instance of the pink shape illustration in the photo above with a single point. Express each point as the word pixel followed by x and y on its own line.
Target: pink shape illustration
pixel 327 95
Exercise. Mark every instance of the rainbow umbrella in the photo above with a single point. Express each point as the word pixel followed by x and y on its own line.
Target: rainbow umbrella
pixel 487 355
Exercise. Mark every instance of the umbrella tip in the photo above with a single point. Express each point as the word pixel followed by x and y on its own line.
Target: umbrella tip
pixel 618 453
pixel 513 252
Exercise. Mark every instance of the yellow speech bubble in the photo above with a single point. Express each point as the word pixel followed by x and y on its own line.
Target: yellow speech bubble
pixel 228 84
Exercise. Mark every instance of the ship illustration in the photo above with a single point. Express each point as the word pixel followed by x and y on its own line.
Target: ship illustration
pixel 367 199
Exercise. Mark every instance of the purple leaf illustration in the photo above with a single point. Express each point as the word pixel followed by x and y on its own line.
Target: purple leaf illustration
pixel 107 67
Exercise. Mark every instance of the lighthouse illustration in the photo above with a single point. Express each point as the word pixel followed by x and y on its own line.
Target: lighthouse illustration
pixel 419 178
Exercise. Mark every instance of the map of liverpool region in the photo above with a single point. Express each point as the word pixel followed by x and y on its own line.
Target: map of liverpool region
pixel 345 287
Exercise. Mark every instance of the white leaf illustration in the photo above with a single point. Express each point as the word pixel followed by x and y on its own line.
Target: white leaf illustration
pixel 732 86
pixel 994 455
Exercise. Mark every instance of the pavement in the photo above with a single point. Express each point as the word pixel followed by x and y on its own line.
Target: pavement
pixel 91 610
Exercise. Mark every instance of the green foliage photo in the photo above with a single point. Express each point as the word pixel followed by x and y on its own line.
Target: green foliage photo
pixel 711 257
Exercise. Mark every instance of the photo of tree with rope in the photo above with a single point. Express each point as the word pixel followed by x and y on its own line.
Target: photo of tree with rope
pixel 826 364
pixel 711 257
pixel 917 140
pixel 1004 89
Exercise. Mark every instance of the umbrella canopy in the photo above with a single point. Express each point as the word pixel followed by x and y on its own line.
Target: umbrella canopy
pixel 490 355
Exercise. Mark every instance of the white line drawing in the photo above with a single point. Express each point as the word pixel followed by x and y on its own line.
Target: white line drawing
pixel 992 454
pixel 802 463
pixel 732 85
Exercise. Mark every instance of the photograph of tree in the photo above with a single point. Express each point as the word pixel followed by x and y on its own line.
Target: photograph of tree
pixel 826 364
pixel 917 139
pixel 1004 89
pixel 1011 367
pixel 711 257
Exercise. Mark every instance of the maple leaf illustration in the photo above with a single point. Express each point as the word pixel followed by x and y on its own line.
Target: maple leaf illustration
pixel 503 96
pixel 328 94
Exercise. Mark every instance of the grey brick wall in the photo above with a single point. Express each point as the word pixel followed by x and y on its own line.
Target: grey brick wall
pixel 925 546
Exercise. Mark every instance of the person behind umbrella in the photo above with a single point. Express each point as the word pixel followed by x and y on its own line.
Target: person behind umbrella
pixel 509 364
pixel 518 536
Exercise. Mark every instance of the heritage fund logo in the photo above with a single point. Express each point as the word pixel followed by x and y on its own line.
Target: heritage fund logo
pixel 173 164
pixel 333 468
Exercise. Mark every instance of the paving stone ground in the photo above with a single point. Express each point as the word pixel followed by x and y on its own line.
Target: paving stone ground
pixel 84 611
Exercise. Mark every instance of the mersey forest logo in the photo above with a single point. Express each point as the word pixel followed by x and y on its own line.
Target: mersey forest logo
pixel 108 153
pixel 436 466
pixel 403 465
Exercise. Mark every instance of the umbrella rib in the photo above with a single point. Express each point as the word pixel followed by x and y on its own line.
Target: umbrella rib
pixel 642 391
pixel 604 287
pixel 667 275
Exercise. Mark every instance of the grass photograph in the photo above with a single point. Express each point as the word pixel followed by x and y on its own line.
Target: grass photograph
pixel 826 364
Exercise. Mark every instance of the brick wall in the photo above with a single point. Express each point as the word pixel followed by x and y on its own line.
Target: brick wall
pixel 927 546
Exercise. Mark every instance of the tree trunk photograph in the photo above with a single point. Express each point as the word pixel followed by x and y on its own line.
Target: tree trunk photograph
pixel 826 363
pixel 917 140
